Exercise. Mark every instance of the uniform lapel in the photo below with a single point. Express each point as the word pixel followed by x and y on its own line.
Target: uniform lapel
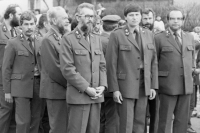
pixel 143 43
pixel 130 37
pixel 172 41
pixel 184 42
pixel 92 40
pixel 25 43
pixel 6 32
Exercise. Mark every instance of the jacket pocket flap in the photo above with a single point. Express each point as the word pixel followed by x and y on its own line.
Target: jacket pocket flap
pixel 16 76
pixel 125 47
pixel 150 46
pixel 190 47
pixel 163 73
pixel 97 52
pixel 3 41
pixel 23 53
pixel 121 76
pixel 80 52
pixel 167 49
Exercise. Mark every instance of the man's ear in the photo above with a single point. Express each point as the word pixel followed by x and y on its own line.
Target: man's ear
pixel 11 16
pixel 77 17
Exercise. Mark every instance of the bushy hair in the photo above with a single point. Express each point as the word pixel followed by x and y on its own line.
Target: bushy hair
pixel 27 15
pixel 11 9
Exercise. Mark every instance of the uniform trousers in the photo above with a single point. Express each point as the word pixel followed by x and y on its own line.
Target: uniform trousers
pixel 7 115
pixel 57 112
pixel 109 117
pixel 179 105
pixel 84 118
pixel 132 112
pixel 28 111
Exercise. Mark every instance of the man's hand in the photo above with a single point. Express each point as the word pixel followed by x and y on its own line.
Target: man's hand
pixel 8 98
pixel 99 91
pixel 91 91
pixel 152 94
pixel 117 97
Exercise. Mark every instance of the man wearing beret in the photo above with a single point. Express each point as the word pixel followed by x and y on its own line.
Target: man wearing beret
pixel 132 71
pixel 109 117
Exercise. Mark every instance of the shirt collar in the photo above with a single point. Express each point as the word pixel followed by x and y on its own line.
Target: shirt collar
pixel 58 34
pixel 179 32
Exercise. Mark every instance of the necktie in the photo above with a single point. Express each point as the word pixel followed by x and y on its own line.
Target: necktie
pixel 32 48
pixel 177 39
pixel 12 31
pixel 86 37
pixel 138 40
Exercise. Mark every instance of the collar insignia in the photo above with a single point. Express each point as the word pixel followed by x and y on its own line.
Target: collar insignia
pixel 56 37
pixel 126 32
pixel 78 34
pixel 4 28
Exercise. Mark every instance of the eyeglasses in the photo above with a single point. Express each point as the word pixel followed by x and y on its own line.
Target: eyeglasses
pixel 87 16
pixel 178 19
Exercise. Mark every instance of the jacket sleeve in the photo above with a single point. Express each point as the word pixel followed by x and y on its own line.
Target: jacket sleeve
pixel 154 69
pixel 112 63
pixel 8 61
pixel 68 67
pixel 51 62
pixel 102 69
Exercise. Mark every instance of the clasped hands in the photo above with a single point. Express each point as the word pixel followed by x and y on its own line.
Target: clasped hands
pixel 95 93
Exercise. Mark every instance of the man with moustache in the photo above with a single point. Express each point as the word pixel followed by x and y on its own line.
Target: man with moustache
pixel 7 30
pixel 21 76
pixel 53 84
pixel 148 17
pixel 83 66
pixel 132 70
pixel 175 51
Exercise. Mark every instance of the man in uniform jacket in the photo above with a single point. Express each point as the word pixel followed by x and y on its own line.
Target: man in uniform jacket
pixel 132 70
pixel 83 65
pixel 148 17
pixel 109 116
pixel 53 85
pixel 175 51
pixel 21 77
pixel 7 30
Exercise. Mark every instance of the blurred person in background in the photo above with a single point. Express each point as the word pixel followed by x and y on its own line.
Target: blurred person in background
pixel 97 25
pixel 8 29
pixel 159 25
pixel 109 119
pixel 37 11
pixel 43 25
pixel 100 8
pixel 53 84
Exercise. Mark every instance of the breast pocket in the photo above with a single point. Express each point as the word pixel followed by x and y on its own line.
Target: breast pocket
pixel 80 52
pixel 190 48
pixel 125 48
pixel 167 49
pixel 23 53
pixel 97 52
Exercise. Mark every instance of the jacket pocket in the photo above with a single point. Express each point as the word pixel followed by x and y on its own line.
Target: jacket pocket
pixel 167 49
pixel 125 48
pixel 190 48
pixel 16 76
pixel 121 76
pixel 22 53
pixel 81 52
pixel 97 52
pixel 163 73
pixel 150 46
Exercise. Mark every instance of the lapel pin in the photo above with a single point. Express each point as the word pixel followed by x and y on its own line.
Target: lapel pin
pixel 4 28
pixel 126 32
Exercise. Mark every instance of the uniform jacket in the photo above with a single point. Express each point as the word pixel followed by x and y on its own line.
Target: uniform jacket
pixel 175 64
pixel 82 66
pixel 18 66
pixel 53 84
pixel 123 62
pixel 4 36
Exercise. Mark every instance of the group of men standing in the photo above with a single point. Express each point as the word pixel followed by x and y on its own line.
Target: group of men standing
pixel 71 72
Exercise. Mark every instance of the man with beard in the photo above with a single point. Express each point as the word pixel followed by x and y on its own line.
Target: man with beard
pixel 7 30
pixel 132 70
pixel 148 17
pixel 175 52
pixel 83 66
pixel 21 76
pixel 53 84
